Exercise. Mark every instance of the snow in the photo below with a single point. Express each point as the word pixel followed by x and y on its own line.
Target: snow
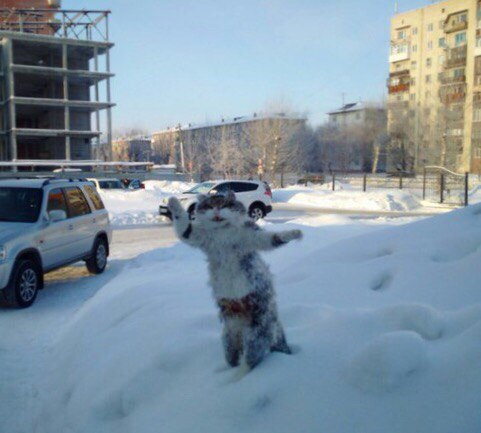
pixel 385 322
pixel 132 207
pixel 142 206
pixel 346 197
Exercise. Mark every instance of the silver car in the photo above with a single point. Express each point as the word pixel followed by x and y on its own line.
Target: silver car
pixel 46 224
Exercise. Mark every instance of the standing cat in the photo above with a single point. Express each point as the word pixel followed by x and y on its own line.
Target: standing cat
pixel 241 281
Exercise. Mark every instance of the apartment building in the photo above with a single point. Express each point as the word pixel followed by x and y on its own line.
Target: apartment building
pixel 434 87
pixel 134 149
pixel 194 147
pixel 54 81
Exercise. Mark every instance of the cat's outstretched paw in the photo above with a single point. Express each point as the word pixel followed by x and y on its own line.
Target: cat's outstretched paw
pixel 175 207
pixel 290 235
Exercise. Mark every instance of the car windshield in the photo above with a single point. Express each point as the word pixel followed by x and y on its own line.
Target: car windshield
pixel 111 184
pixel 202 188
pixel 21 205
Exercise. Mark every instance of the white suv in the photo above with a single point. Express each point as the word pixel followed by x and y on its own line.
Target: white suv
pixel 46 224
pixel 255 196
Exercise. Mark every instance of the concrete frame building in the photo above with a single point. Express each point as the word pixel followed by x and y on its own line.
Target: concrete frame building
pixel 434 86
pixel 51 79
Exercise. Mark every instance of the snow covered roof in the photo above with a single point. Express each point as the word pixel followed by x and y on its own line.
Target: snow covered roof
pixel 240 119
pixel 353 107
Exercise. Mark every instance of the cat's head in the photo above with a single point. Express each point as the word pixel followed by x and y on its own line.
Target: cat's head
pixel 220 210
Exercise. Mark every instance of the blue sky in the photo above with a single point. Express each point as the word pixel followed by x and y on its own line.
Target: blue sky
pixel 197 60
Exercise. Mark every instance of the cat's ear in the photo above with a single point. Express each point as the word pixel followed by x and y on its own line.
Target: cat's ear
pixel 201 198
pixel 230 197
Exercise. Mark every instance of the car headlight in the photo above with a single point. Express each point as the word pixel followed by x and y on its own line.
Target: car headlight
pixel 3 253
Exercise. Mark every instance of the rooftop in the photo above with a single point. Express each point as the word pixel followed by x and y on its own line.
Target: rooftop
pixel 78 24
pixel 235 120
pixel 355 106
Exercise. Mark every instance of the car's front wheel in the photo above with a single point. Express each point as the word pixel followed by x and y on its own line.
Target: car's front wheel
pixel 257 212
pixel 97 262
pixel 24 284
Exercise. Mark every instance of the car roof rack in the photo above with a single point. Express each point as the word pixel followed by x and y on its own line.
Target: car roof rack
pixel 70 180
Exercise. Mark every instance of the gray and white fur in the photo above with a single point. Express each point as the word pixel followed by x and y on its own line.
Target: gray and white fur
pixel 240 279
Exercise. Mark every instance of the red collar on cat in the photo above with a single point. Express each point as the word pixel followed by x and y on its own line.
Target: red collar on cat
pixel 239 307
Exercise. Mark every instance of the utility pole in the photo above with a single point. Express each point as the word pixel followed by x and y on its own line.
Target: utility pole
pixel 181 147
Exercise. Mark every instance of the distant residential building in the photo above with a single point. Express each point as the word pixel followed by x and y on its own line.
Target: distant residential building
pixel 434 86
pixel 192 147
pixel 134 149
pixel 355 114
pixel 359 138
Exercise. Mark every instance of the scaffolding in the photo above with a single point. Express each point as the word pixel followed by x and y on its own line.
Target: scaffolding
pixel 49 70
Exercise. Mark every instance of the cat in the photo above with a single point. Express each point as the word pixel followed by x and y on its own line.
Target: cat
pixel 240 279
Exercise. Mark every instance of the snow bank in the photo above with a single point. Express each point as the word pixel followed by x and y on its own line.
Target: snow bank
pixel 386 329
pixel 127 207
pixel 346 198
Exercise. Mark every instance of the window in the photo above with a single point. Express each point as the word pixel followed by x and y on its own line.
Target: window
pixel 56 201
pixel 243 187
pixel 429 62
pixel 428 79
pixel 223 188
pixel 20 205
pixel 415 48
pixel 77 203
pixel 111 184
pixel 477 114
pixel 430 45
pixel 414 64
pixel 442 42
pixel 415 31
pixel 413 81
pixel 477 152
pixel 458 73
pixel 412 96
pixel 401 34
pixel 94 197
pixel 460 39
pixel 430 27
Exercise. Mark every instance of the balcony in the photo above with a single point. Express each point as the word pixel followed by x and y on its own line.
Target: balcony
pixel 456 57
pixel 447 79
pixel 456 23
pixel 399 52
pixel 452 94
pixel 399 82
pixel 452 26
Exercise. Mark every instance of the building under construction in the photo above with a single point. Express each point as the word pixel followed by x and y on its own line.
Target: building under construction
pixel 54 81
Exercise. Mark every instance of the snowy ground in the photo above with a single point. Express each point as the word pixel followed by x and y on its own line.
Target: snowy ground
pixel 385 319
pixel 142 206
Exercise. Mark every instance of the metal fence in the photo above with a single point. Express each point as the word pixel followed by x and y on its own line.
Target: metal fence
pixel 435 184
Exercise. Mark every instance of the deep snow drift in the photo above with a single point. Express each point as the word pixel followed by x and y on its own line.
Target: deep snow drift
pixel 386 328
pixel 346 197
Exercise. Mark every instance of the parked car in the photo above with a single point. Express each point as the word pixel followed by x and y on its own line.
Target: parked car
pixel 46 224
pixel 133 184
pixel 107 183
pixel 255 196
pixel 312 178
